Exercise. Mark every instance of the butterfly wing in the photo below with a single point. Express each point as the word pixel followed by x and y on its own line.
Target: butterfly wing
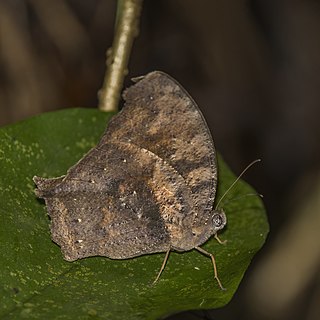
pixel 149 179
pixel 160 116
pixel 112 203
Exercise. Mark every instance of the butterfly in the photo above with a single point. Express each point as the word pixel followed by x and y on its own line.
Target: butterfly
pixel 148 186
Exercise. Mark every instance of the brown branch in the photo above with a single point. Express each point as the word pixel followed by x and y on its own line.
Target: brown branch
pixel 118 56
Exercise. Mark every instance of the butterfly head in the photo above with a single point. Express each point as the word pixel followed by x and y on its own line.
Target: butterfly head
pixel 201 232
pixel 215 222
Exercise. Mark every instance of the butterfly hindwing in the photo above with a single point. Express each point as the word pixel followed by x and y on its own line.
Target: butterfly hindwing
pixel 148 183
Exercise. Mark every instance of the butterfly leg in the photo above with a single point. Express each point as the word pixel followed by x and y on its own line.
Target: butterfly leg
pixel 162 267
pixel 214 266
pixel 219 240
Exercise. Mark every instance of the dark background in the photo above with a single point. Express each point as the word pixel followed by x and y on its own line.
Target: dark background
pixel 254 69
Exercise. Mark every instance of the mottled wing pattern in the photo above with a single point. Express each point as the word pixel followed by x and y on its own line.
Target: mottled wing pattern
pixel 149 179
pixel 103 206
pixel 161 117
pixel 106 204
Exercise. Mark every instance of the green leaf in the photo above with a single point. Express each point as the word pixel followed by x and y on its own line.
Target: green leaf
pixel 36 283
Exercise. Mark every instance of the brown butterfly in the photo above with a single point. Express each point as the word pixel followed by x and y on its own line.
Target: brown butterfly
pixel 148 186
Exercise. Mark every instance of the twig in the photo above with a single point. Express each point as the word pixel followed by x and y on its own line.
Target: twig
pixel 118 56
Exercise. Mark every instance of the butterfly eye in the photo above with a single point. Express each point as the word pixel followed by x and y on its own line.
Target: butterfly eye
pixel 217 220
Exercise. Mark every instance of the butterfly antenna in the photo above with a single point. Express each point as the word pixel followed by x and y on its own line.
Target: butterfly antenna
pixel 235 181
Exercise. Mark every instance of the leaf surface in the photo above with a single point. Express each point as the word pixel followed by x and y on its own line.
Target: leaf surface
pixel 35 281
